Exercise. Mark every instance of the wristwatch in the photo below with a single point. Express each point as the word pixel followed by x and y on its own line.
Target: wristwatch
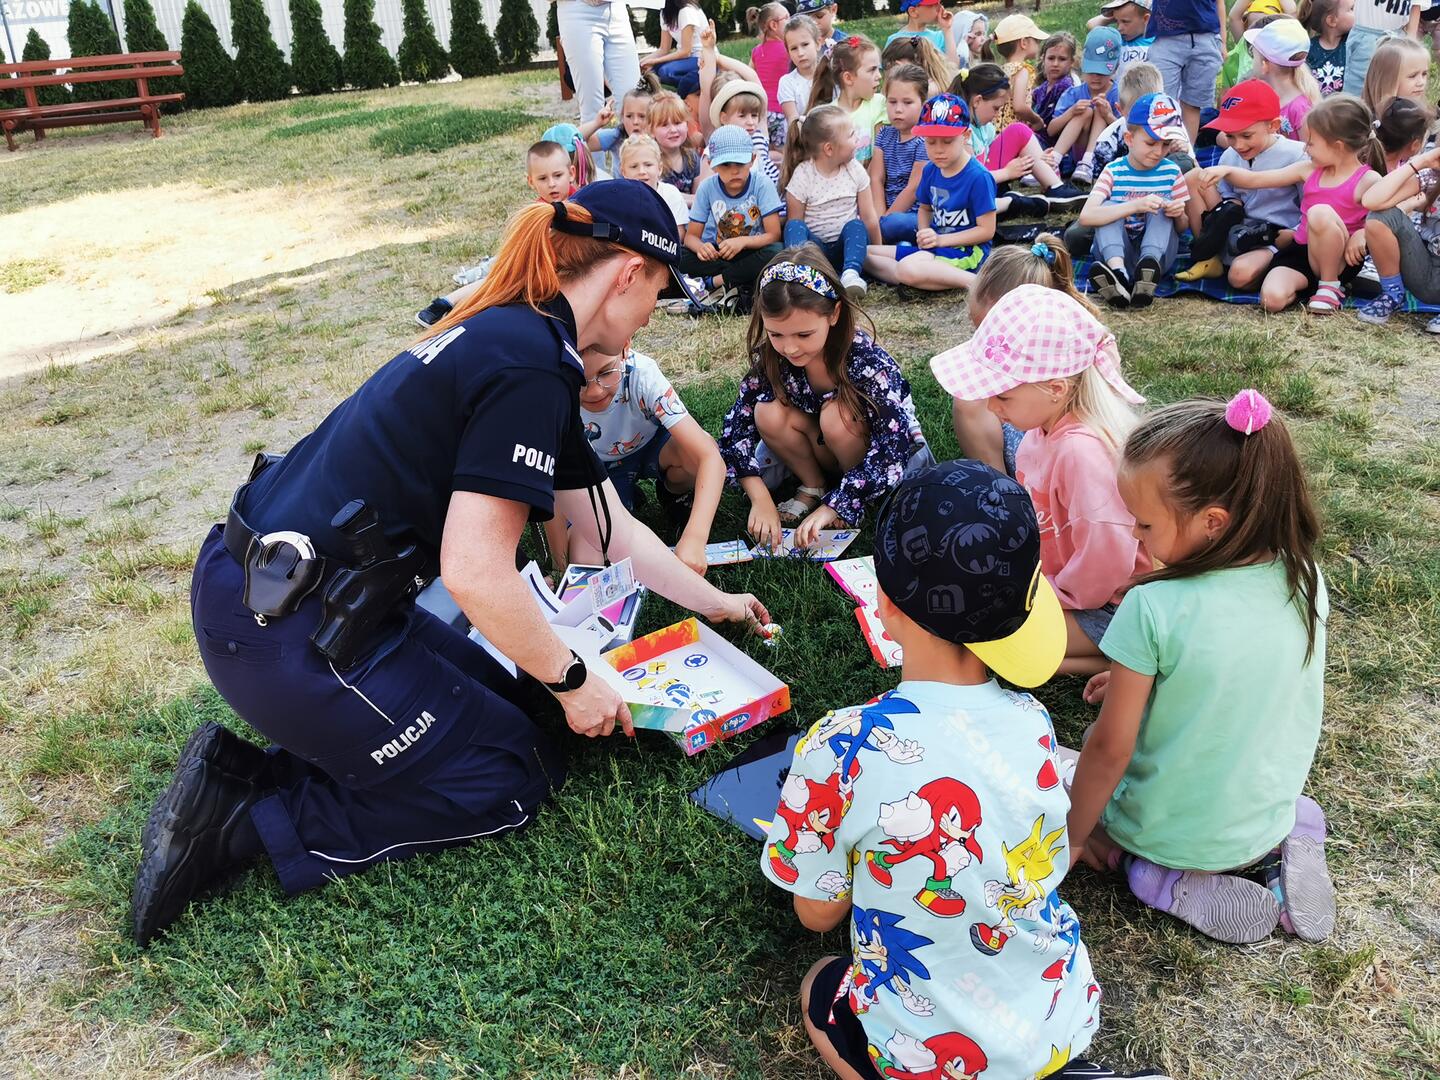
pixel 572 678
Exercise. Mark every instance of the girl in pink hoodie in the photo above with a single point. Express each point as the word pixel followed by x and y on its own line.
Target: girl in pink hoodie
pixel 1046 366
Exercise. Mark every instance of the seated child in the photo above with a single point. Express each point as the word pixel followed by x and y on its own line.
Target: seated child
pixel 981 435
pixel 1242 227
pixel 670 128
pixel 956 208
pixel 827 194
pixel 640 160
pixel 850 77
pixel 1190 781
pixel 1280 48
pixel 734 225
pixel 1137 208
pixel 827 401
pixel 605 142
pixel 770 60
pixel 899 157
pixel 1049 369
pixel 1057 66
pixel 640 430
pixel 1017 43
pixel 740 103
pixel 1344 160
pixel 1405 245
pixel 1084 111
pixel 891 822
pixel 802 44
pixel 550 174
pixel 917 51
pixel 929 20
pixel 1328 23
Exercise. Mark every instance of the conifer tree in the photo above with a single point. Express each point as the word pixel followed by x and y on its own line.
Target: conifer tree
pixel 91 33
pixel 37 48
pixel 517 34
pixel 367 64
pixel 472 49
pixel 209 71
pixel 260 66
pixel 314 62
pixel 421 55
pixel 142 34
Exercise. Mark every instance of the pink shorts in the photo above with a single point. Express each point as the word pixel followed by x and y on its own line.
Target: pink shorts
pixel 1008 145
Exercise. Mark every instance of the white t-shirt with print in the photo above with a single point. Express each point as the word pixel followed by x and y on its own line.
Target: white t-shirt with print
pixel 1382 15
pixel 939 811
pixel 689 15
pixel 795 88
pixel 830 201
pixel 676 202
pixel 643 405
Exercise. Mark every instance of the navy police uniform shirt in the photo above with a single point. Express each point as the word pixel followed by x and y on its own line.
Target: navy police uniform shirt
pixel 490 405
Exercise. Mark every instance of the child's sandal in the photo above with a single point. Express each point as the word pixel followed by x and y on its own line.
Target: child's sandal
pixel 793 509
pixel 1327 300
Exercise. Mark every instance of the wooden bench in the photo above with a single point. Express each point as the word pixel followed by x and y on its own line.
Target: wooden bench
pixel 138 68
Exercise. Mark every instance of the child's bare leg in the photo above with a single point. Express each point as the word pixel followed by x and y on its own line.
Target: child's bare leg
pixel 1082 656
pixel 792 435
pixel 1201 199
pixel 1069 134
pixel 847 437
pixel 1040 168
pixel 676 475
pixel 1248 270
pixel 460 295
pixel 924 271
pixel 1190 114
pixel 979 433
pixel 880 263
pixel 823 1045
pixel 1281 288
pixel 1092 136
pixel 1327 242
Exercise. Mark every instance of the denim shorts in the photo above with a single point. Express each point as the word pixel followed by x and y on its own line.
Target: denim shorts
pixel 1189 65
pixel 1093 622
pixel 644 464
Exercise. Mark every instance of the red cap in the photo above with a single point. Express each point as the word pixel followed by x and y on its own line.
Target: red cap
pixel 1253 101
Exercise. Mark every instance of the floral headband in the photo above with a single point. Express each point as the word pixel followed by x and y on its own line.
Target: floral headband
pixel 800 274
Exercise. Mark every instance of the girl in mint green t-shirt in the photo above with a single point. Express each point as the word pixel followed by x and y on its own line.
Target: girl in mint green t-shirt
pixel 1190 781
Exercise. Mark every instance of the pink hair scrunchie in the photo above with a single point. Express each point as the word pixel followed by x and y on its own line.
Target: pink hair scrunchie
pixel 1248 411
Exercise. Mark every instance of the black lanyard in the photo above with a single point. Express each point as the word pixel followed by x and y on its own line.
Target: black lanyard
pixel 608 528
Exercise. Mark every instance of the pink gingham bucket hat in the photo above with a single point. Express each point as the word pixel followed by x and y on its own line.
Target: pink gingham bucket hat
pixel 1033 333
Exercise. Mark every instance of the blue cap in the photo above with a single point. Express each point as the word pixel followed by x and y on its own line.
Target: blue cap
pixel 564 134
pixel 1102 51
pixel 628 213
pixel 1158 114
pixel 957 550
pixel 809 7
pixel 944 116
pixel 730 145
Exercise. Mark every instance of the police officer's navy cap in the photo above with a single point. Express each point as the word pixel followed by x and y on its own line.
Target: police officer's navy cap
pixel 628 213
pixel 957 549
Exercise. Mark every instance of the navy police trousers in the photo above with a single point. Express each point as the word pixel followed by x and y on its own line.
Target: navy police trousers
pixel 413 749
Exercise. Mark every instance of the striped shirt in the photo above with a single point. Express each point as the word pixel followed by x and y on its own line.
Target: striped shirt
pixel 900 158
pixel 1121 182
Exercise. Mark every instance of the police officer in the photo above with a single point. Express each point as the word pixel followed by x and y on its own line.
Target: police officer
pixel 395 734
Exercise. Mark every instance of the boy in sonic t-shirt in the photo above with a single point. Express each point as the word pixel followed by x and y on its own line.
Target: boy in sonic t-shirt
pixel 933 818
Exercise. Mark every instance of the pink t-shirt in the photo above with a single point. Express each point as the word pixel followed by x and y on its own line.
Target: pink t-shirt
pixel 770 59
pixel 1341 197
pixel 1088 549
pixel 1293 112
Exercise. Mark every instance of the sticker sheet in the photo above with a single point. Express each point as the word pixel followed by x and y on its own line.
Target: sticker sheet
pixel 831 544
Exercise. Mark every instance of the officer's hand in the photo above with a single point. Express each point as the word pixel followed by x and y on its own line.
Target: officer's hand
pixel 692 554
pixel 741 607
pixel 594 709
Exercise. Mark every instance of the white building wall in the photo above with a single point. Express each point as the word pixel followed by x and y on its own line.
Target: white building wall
pixel 50 18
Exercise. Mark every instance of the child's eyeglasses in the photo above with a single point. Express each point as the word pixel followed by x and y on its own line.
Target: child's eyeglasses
pixel 608 379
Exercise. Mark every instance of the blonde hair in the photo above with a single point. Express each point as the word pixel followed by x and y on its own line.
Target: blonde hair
pixel 757 18
pixel 1095 404
pixel 1137 81
pixel 920 52
pixel 1012 265
pixel 1382 79
pixel 637 144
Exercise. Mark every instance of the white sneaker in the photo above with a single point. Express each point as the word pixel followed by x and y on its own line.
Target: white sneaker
pixel 855 286
pixel 472 274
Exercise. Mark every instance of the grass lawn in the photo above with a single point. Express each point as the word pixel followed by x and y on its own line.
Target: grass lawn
pixel 227 286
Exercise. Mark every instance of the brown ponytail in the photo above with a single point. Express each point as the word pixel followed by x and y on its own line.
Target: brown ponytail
pixel 534 260
pixel 1258 478
pixel 1345 119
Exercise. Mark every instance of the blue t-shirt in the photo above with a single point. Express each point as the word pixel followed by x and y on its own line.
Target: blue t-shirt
pixel 1170 18
pixel 491 406
pixel 1082 93
pixel 900 158
pixel 939 812
pixel 725 215
pixel 1134 51
pixel 957 202
pixel 930 34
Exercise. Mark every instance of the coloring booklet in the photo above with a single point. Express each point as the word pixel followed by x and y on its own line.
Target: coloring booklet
pixel 856 578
